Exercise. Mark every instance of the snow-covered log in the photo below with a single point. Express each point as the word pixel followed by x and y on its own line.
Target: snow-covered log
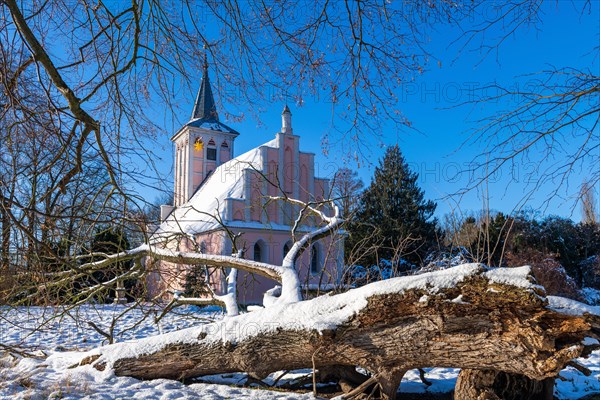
pixel 466 317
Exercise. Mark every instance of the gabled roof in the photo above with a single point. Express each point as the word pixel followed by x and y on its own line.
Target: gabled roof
pixel 226 182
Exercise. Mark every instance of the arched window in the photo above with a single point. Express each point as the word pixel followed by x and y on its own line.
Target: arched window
pixel 315 264
pixel 258 252
pixel 286 248
pixel 211 150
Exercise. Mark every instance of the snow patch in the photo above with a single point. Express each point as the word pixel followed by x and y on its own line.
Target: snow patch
pixel 459 300
pixel 588 341
pixel 511 276
pixel 571 307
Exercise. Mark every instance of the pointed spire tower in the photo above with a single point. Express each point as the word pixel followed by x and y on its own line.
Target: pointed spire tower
pixel 205 107
pixel 202 144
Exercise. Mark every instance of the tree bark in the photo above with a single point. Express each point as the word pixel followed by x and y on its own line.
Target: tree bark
pixel 496 385
pixel 476 324
pixel 5 228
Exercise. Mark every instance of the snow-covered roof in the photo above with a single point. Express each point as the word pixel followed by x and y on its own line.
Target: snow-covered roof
pixel 211 125
pixel 226 182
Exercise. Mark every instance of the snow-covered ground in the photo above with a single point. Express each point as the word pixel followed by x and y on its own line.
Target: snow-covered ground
pixel 53 337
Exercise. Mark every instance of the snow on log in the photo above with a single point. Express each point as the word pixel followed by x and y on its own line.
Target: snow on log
pixel 466 317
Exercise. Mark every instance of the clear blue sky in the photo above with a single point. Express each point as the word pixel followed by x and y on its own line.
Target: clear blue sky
pixel 565 37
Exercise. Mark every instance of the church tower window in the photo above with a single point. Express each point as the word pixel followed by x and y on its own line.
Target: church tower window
pixel 211 153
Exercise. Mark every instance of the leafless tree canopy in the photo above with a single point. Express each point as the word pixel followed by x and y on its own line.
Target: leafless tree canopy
pixel 552 122
pixel 83 82
pixel 85 85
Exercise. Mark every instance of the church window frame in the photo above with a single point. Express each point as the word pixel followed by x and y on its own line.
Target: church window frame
pixel 316 266
pixel 286 248
pixel 211 153
pixel 259 251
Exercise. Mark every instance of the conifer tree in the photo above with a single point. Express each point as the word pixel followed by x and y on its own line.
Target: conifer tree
pixel 393 219
pixel 108 241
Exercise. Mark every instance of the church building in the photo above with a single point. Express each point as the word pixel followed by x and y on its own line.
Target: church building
pixel 217 195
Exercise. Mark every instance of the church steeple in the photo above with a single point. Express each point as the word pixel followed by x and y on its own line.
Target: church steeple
pixel 201 145
pixel 205 107
pixel 286 120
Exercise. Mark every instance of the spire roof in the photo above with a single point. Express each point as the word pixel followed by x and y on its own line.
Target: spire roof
pixel 205 107
pixel 205 114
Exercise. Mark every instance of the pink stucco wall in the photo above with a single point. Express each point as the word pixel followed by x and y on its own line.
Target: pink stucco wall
pixel 164 278
pixel 251 287
pixel 294 170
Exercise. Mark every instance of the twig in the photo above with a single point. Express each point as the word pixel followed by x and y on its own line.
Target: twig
pixel 107 335
pixel 422 376
pixel 279 378
pixel 584 370
pixel 360 388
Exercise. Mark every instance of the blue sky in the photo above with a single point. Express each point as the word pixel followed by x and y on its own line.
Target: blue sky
pixel 564 37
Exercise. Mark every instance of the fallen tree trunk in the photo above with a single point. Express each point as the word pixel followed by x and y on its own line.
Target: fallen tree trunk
pixel 465 317
pixel 496 385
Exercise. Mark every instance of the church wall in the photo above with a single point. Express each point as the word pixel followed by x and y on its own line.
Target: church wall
pixel 283 164
pixel 238 209
pixel 197 165
pixel 210 167
pixel 256 196
pixel 191 158
pixel 304 178
pixel 224 154
pixel 252 287
pixel 165 278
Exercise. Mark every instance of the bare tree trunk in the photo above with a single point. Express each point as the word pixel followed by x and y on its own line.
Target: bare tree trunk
pixel 491 326
pixel 389 382
pixel 5 247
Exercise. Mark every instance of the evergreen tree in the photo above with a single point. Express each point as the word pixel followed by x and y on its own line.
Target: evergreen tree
pixel 393 220
pixel 195 282
pixel 108 241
